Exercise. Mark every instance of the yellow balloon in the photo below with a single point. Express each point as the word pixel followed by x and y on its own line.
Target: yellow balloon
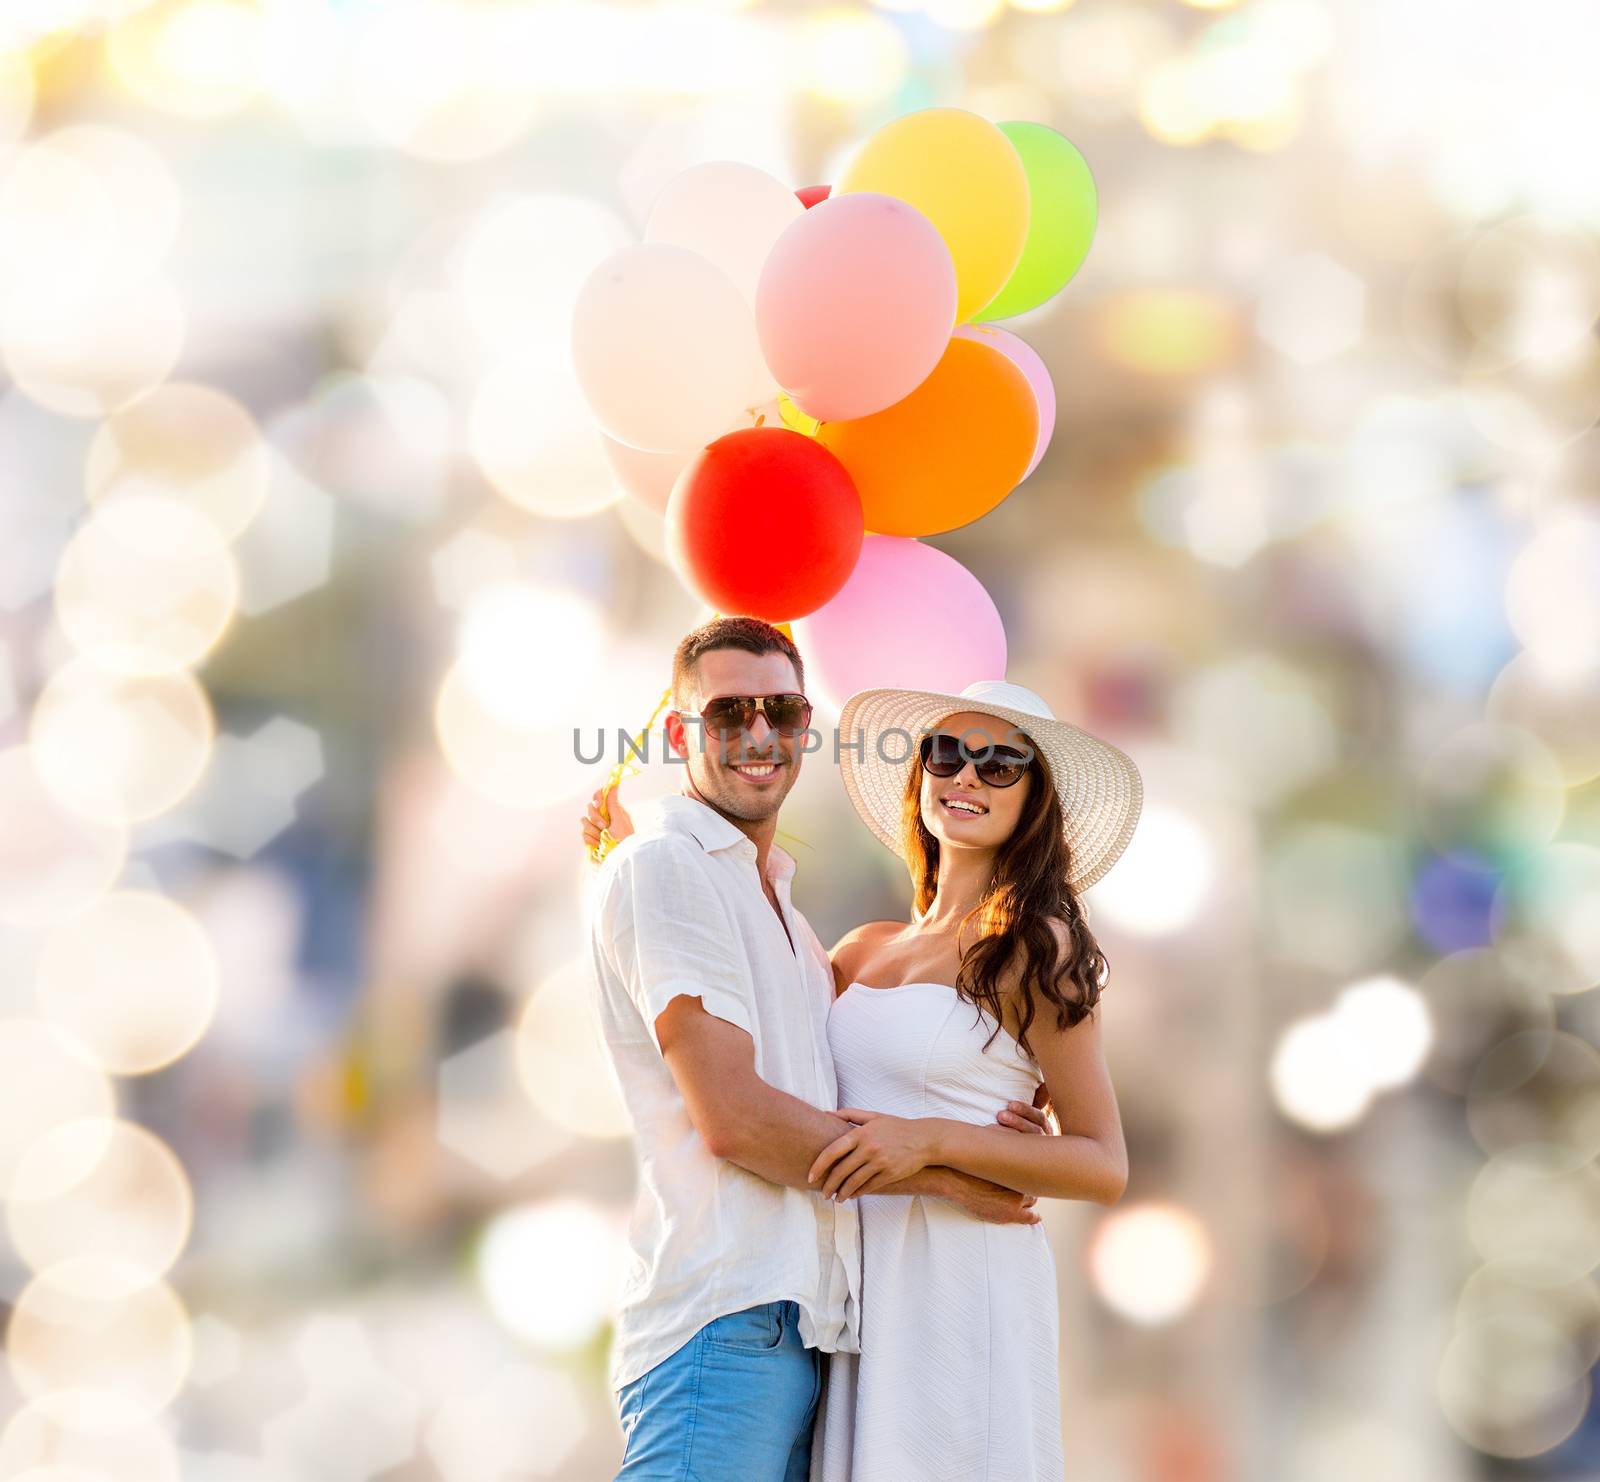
pixel 967 178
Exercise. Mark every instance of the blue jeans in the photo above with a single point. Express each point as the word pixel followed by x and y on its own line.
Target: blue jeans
pixel 735 1402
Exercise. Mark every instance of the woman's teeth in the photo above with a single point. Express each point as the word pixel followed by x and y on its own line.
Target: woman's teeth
pixel 965 808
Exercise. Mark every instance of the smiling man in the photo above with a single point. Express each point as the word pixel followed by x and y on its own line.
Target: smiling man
pixel 714 995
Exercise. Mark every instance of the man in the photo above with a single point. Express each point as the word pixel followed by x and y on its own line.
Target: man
pixel 713 996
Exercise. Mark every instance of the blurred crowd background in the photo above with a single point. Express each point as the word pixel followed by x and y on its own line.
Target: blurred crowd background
pixel 310 564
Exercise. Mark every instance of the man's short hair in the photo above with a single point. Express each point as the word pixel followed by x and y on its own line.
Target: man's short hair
pixel 748 634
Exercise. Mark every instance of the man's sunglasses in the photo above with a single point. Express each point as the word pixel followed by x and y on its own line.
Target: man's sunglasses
pixel 944 755
pixel 728 715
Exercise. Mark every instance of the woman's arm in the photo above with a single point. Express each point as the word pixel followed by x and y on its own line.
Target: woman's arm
pixel 1087 1161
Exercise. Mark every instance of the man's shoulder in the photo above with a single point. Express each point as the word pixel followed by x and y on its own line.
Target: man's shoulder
pixel 659 842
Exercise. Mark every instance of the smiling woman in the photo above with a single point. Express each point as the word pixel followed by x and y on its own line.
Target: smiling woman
pixel 1046 807
pixel 981 818
pixel 967 791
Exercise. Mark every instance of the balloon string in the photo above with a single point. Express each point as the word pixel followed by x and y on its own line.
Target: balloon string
pixel 627 767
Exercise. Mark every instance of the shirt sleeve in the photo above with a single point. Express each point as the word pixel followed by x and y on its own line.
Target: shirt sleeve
pixel 667 933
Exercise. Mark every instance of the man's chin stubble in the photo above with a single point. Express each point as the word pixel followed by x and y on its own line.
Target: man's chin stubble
pixel 752 807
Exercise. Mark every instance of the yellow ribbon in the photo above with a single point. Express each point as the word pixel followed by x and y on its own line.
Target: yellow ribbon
pixel 628 767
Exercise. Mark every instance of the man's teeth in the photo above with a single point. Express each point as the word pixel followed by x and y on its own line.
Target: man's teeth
pixel 753 769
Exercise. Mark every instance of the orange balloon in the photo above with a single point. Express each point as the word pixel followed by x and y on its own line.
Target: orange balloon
pixel 947 453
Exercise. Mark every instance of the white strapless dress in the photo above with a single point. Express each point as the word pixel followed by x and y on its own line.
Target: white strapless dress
pixel 957 1379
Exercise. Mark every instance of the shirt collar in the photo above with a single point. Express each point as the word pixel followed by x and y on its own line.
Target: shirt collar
pixel 713 832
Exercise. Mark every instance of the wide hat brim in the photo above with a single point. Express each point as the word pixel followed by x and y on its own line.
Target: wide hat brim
pixel 1100 789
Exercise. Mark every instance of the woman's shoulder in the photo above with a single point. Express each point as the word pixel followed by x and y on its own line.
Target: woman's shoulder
pixel 856 944
pixel 1009 981
pixel 868 933
pixel 1061 936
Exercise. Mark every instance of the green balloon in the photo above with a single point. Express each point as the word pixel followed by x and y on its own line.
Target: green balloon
pixel 1060 223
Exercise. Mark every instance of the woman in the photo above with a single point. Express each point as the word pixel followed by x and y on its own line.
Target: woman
pixel 991 986
pixel 1003 815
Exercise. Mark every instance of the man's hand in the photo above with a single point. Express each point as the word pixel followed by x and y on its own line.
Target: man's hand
pixel 991 1203
pixel 605 813
pixel 1019 1116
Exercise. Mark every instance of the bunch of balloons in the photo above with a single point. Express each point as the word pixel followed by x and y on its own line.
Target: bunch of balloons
pixel 804 382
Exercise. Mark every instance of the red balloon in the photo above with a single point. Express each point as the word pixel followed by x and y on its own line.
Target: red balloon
pixel 811 194
pixel 764 522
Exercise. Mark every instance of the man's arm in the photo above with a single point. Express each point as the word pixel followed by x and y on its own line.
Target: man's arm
pixel 777 1136
pixel 660 925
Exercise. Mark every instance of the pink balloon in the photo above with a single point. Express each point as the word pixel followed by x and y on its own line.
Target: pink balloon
pixel 1028 361
pixel 910 616
pixel 855 305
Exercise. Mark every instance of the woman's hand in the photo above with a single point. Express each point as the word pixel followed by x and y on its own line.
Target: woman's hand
pixel 604 813
pixel 880 1150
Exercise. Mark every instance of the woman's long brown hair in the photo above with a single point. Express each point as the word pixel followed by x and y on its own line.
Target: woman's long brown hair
pixel 1028 890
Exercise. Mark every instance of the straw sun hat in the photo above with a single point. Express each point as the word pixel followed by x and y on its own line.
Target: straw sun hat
pixel 1098 785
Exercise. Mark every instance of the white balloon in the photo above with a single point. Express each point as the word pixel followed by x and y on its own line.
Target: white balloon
pixel 665 348
pixel 649 477
pixel 731 214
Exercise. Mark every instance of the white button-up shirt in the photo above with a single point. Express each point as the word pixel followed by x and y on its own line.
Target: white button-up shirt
pixel 678 908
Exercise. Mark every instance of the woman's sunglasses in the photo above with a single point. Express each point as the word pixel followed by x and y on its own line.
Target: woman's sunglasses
pixel 728 715
pixel 999 766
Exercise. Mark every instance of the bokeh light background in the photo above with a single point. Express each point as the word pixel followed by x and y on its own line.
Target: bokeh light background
pixel 310 561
